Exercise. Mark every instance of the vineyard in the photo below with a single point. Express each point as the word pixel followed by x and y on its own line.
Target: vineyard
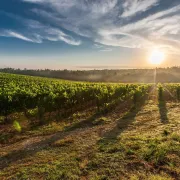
pixel 42 99
pixel 33 94
pixel 58 129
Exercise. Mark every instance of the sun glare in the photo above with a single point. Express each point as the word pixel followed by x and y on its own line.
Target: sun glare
pixel 156 57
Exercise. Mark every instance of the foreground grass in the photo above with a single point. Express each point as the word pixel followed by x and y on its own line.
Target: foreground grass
pixel 141 143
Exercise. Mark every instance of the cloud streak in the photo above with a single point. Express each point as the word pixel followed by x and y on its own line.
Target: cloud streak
pixel 10 33
pixel 126 23
pixel 132 7
pixel 36 32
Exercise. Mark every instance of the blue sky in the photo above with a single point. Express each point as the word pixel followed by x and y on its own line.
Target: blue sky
pixel 71 34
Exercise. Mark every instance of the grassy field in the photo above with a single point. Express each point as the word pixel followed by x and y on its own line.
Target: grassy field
pixel 126 143
pixel 51 129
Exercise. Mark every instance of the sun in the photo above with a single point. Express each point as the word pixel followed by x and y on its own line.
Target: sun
pixel 156 57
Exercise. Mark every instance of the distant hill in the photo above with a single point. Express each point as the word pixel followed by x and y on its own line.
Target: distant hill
pixel 163 75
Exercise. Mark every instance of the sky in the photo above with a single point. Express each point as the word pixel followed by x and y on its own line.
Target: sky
pixel 77 34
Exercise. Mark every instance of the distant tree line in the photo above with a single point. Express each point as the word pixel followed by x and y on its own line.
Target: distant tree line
pixel 170 74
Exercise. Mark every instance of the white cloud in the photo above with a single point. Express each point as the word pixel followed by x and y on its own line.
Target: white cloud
pixel 132 7
pixel 10 33
pixel 36 32
pixel 155 21
pixel 97 7
pixel 102 48
pixel 34 1
pixel 106 50
pixel 146 32
pixel 53 34
pixel 109 22
pixel 98 46
pixel 123 40
pixel 17 35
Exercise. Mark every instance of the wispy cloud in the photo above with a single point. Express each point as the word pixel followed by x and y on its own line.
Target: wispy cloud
pixel 10 33
pixel 102 48
pixel 106 50
pixel 36 32
pixel 97 7
pixel 98 46
pixel 107 22
pixel 132 7
pixel 52 34
pixel 34 1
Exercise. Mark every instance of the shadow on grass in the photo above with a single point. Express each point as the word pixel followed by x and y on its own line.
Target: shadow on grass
pixel 118 107
pixel 84 124
pixel 163 111
pixel 125 121
pixel 31 149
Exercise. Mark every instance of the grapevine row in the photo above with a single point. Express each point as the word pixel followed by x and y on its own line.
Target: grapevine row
pixel 20 93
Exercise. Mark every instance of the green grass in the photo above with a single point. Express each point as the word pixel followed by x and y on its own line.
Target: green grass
pixel 133 144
